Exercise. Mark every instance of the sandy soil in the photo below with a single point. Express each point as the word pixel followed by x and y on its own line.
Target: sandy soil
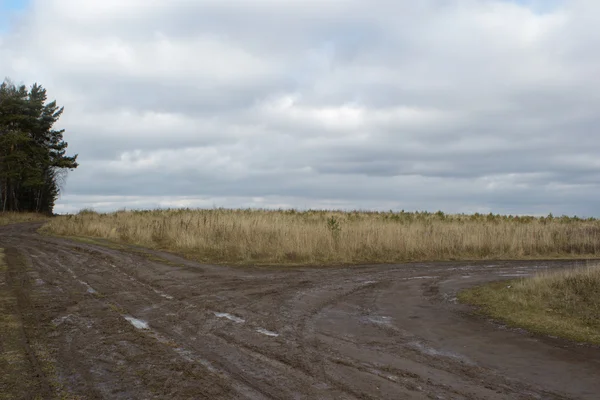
pixel 99 323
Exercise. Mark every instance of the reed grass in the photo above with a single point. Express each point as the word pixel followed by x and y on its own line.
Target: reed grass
pixel 251 236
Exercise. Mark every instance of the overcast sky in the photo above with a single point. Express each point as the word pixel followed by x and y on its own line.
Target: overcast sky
pixel 453 105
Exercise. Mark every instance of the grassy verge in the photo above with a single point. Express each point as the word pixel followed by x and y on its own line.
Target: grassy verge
pixel 7 218
pixel 564 304
pixel 335 237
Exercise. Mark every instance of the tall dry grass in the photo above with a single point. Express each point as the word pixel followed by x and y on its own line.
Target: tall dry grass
pixel 563 303
pixel 7 218
pixel 323 237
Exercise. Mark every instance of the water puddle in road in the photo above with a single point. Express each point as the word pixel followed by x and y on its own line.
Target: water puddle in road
pixel 422 277
pixel 380 320
pixel 230 317
pixel 266 332
pixel 90 289
pixel 438 353
pixel 184 353
pixel 144 326
pixel 465 268
pixel 137 323
pixel 190 357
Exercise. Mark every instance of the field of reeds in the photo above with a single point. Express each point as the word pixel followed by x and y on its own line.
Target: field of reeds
pixel 564 303
pixel 336 237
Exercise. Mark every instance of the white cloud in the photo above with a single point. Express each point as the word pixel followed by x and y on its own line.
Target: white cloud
pixel 465 105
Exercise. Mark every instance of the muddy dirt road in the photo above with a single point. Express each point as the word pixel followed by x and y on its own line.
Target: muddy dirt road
pixel 99 323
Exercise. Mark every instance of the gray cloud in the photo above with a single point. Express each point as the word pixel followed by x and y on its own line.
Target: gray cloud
pixel 464 106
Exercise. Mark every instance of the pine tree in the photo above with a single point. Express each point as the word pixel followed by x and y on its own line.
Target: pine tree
pixel 33 156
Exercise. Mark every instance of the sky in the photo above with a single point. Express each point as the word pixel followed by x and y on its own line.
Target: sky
pixel 10 9
pixel 454 105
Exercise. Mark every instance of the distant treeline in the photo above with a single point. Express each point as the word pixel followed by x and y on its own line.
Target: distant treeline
pixel 33 160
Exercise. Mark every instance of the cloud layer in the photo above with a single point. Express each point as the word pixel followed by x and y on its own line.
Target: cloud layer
pixel 462 105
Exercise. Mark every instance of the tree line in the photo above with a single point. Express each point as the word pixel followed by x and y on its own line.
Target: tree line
pixel 33 160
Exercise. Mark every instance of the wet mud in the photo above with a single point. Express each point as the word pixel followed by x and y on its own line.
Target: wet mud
pixel 101 323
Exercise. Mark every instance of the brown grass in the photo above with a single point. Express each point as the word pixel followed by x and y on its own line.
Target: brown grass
pixel 14 217
pixel 334 237
pixel 562 303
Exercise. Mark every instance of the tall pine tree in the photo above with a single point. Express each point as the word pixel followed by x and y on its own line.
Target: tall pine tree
pixel 33 157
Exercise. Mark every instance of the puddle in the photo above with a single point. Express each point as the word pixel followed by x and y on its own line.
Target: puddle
pixel 466 268
pixel 230 317
pixel 39 282
pixel 380 320
pixel 190 357
pixel 438 353
pixel 186 354
pixel 369 282
pixel 89 288
pixel 422 277
pixel 137 323
pixel 266 332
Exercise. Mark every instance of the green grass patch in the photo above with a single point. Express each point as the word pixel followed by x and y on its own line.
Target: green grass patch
pixel 562 303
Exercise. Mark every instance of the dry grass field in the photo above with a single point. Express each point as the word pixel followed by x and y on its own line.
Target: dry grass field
pixel 335 237
pixel 14 217
pixel 562 303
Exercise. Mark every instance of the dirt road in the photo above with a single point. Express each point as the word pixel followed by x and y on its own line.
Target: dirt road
pixel 99 323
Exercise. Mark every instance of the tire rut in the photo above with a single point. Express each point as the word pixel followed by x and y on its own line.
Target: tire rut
pixel 19 283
